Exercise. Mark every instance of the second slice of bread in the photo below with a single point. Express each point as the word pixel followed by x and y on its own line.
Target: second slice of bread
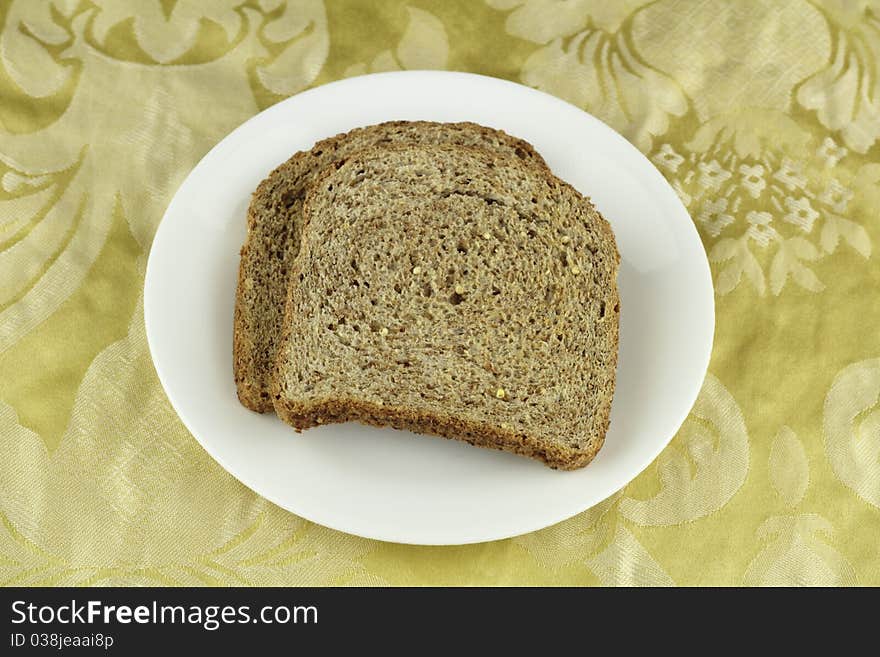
pixel 452 291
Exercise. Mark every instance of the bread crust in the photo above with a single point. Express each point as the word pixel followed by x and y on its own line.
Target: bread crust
pixel 252 361
pixel 303 416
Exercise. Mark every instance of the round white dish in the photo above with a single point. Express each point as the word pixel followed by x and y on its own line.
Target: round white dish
pixel 392 485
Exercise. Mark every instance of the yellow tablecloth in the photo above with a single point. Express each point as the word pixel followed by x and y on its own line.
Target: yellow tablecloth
pixel 765 117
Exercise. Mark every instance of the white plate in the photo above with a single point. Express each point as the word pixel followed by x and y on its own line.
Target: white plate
pixel 391 485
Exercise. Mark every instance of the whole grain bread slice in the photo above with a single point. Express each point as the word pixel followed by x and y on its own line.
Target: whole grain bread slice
pixel 273 238
pixel 453 291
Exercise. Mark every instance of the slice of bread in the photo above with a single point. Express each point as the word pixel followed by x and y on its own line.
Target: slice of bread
pixel 275 221
pixel 453 291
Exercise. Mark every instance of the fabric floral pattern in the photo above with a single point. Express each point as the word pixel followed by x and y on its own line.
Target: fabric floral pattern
pixel 763 116
pixel 586 58
pixel 768 220
pixel 424 45
pixel 796 547
pixel 845 93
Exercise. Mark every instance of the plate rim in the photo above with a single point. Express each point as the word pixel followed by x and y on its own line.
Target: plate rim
pixel 549 520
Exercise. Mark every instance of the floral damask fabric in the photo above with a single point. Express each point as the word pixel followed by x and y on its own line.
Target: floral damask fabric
pixel 764 115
